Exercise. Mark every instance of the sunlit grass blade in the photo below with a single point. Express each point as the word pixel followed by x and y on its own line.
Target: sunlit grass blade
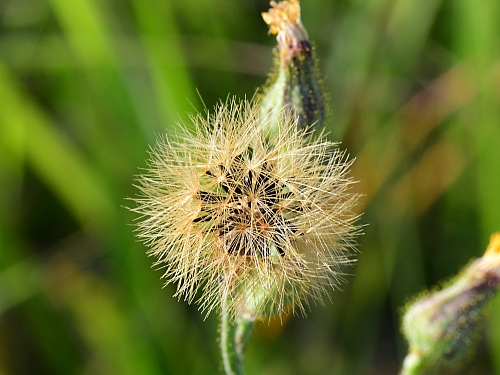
pixel 54 158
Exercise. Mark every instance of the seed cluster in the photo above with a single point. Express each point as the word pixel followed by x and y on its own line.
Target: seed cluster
pixel 230 211
pixel 256 205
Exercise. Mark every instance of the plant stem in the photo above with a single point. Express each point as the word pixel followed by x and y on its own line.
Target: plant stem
pixel 411 365
pixel 233 341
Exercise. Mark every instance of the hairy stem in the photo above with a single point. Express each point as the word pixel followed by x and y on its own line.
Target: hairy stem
pixel 233 341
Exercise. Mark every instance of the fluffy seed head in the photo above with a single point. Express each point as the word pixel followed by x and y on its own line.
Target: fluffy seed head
pixel 233 214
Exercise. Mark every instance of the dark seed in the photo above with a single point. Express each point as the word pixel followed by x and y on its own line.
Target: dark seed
pixel 209 198
pixel 202 219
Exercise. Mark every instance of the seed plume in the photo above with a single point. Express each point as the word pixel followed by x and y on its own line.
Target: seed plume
pixel 230 211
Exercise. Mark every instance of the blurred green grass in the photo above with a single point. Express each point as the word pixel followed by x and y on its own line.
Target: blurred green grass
pixel 86 86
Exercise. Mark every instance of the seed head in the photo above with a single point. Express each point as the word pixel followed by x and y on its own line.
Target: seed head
pixel 233 214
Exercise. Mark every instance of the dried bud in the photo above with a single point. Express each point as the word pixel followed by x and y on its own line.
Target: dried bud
pixel 442 327
pixel 294 84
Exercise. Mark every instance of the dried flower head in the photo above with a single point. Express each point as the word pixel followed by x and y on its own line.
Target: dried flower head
pixel 234 214
pixel 284 21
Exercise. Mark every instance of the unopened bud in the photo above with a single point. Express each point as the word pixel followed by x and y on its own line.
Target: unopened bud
pixel 295 84
pixel 442 327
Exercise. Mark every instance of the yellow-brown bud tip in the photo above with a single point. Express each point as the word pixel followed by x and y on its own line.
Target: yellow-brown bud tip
pixel 282 15
pixel 284 20
pixel 494 246
pixel 489 263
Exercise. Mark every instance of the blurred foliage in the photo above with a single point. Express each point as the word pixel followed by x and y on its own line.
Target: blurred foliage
pixel 87 85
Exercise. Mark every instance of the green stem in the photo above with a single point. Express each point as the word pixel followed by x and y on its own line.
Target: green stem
pixel 233 341
pixel 411 365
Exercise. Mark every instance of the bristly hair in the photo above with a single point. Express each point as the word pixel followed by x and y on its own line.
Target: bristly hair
pixel 232 213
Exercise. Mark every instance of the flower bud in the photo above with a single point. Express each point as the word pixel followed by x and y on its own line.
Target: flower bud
pixel 294 84
pixel 442 327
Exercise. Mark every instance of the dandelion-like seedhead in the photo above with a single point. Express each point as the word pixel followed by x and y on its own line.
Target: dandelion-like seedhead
pixel 238 216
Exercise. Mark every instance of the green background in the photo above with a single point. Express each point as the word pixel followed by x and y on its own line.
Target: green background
pixel 86 86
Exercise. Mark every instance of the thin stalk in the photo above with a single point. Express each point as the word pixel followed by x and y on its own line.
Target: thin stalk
pixel 411 365
pixel 233 340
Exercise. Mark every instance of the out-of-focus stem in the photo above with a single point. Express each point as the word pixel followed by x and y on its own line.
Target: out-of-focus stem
pixel 411 365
